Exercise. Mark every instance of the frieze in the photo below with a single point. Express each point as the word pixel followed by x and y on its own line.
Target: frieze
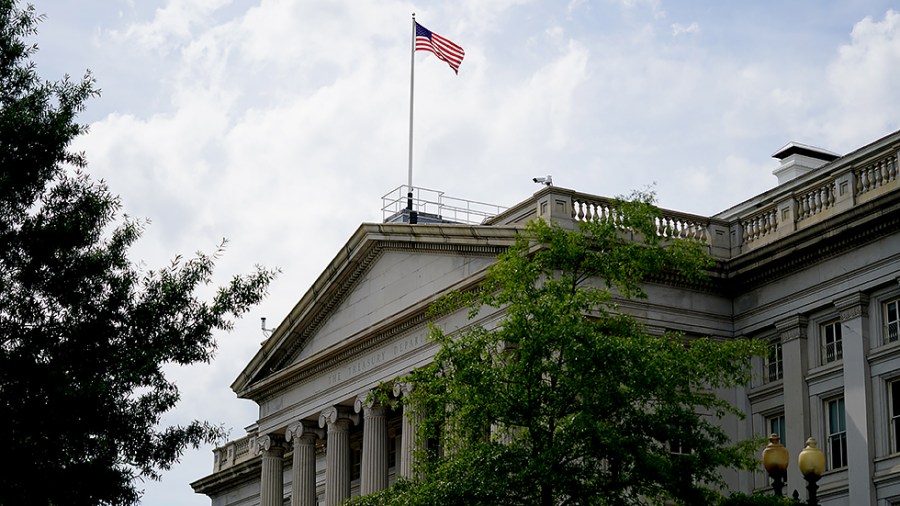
pixel 412 341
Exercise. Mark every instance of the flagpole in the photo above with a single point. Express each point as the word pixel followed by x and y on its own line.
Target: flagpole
pixel 412 75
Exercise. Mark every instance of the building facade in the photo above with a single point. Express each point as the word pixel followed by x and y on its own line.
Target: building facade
pixel 812 267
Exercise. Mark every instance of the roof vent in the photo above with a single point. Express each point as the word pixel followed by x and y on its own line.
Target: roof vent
pixel 799 159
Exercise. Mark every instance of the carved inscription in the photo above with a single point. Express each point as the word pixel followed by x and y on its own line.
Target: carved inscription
pixel 375 359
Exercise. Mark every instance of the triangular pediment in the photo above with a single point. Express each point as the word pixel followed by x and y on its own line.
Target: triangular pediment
pixel 383 273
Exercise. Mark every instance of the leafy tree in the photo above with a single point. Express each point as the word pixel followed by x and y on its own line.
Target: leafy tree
pixel 567 400
pixel 84 333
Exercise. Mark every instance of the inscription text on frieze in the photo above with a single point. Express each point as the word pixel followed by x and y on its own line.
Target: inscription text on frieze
pixel 375 359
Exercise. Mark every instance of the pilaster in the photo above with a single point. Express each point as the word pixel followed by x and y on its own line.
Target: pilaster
pixel 794 351
pixel 857 396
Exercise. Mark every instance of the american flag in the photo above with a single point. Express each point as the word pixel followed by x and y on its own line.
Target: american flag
pixel 445 50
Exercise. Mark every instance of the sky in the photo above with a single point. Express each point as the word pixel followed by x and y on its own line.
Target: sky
pixel 280 124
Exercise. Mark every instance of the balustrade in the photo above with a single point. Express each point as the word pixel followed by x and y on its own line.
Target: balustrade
pixel 759 225
pixel 877 174
pixel 815 201
pixel 670 225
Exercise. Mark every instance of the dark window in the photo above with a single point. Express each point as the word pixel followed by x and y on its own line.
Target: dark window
pixel 837 434
pixel 894 392
pixel 774 362
pixel 892 321
pixel 776 426
pixel 832 348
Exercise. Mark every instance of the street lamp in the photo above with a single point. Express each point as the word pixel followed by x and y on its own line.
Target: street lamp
pixel 812 464
pixel 775 459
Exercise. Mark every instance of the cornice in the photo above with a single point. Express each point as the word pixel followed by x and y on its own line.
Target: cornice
pixel 228 478
pixel 831 238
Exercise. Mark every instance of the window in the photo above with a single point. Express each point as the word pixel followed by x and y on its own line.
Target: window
pixel 832 349
pixel 774 362
pixel 355 460
pixel 894 406
pixel 892 321
pixel 775 425
pixel 393 442
pixel 837 434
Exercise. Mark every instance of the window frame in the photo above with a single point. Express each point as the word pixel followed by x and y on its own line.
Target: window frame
pixel 888 306
pixel 893 415
pixel 773 370
pixel 779 420
pixel 836 341
pixel 836 435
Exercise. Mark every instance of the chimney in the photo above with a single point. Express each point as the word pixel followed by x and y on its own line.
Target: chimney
pixel 799 159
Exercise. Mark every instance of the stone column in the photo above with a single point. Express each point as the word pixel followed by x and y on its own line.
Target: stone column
pixel 271 486
pixel 857 397
pixel 374 472
pixel 794 352
pixel 338 419
pixel 303 472
pixel 406 452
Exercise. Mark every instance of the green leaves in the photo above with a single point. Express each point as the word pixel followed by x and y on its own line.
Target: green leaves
pixel 567 400
pixel 84 333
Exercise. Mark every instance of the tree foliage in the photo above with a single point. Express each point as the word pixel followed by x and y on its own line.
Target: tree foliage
pixel 84 333
pixel 568 400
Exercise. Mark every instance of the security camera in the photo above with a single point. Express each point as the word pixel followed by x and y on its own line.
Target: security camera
pixel 546 181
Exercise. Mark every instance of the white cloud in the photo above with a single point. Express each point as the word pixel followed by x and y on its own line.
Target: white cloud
pixel 863 81
pixel 680 29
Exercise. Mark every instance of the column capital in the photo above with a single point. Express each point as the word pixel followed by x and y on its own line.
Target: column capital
pixel 792 327
pixel 301 429
pixel 266 443
pixel 366 403
pixel 852 306
pixel 334 414
pixel 402 388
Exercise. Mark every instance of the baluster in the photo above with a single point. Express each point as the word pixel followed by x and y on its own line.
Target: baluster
pixel 580 211
pixel 859 185
pixel 892 172
pixel 745 232
pixel 877 174
pixel 805 213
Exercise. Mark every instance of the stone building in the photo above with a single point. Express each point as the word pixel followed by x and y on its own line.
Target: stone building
pixel 812 267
